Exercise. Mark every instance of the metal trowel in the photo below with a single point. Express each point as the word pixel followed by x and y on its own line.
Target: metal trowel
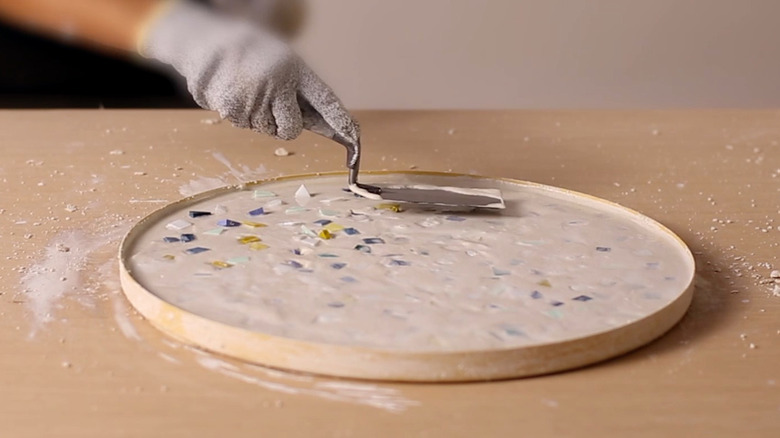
pixel 438 195
pixel 458 197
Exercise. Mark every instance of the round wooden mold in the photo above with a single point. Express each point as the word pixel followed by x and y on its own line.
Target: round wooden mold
pixel 328 283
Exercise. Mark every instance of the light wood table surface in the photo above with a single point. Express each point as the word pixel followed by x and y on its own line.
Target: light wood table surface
pixel 76 361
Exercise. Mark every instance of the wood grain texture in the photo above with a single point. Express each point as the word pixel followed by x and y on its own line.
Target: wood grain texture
pixel 97 369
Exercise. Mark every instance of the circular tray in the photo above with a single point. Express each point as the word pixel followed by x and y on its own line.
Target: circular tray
pixel 329 283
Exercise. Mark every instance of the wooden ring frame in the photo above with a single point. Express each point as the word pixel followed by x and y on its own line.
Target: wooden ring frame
pixel 368 363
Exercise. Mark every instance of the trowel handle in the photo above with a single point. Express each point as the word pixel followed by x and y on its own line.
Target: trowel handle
pixel 314 122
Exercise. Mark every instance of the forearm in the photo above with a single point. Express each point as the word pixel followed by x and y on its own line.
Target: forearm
pixel 112 24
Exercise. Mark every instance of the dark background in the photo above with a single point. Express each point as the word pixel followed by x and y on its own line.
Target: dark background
pixel 38 72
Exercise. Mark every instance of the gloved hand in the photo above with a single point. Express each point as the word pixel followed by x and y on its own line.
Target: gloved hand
pixel 248 75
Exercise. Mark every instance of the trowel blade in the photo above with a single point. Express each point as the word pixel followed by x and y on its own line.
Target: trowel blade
pixel 445 196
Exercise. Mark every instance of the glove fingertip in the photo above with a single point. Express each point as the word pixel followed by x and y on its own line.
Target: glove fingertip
pixel 289 132
pixel 264 125
pixel 288 117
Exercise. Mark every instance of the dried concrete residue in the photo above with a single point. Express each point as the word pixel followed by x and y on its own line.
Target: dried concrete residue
pixel 384 398
pixel 107 274
pixel 121 316
pixel 59 273
pixel 241 173
pixel 202 184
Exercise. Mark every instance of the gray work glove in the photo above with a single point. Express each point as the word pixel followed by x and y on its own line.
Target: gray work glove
pixel 248 75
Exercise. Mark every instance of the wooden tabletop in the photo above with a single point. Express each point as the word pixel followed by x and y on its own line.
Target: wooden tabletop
pixel 78 362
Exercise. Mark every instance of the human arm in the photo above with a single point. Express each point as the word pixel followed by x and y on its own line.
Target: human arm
pixel 244 72
pixel 247 74
pixel 103 24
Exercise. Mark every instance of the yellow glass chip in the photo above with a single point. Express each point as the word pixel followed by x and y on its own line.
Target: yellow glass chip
pixel 396 208
pixel 257 246
pixel 254 224
pixel 333 227
pixel 248 239
pixel 325 234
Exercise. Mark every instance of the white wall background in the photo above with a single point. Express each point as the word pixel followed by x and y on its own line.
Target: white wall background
pixel 547 53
